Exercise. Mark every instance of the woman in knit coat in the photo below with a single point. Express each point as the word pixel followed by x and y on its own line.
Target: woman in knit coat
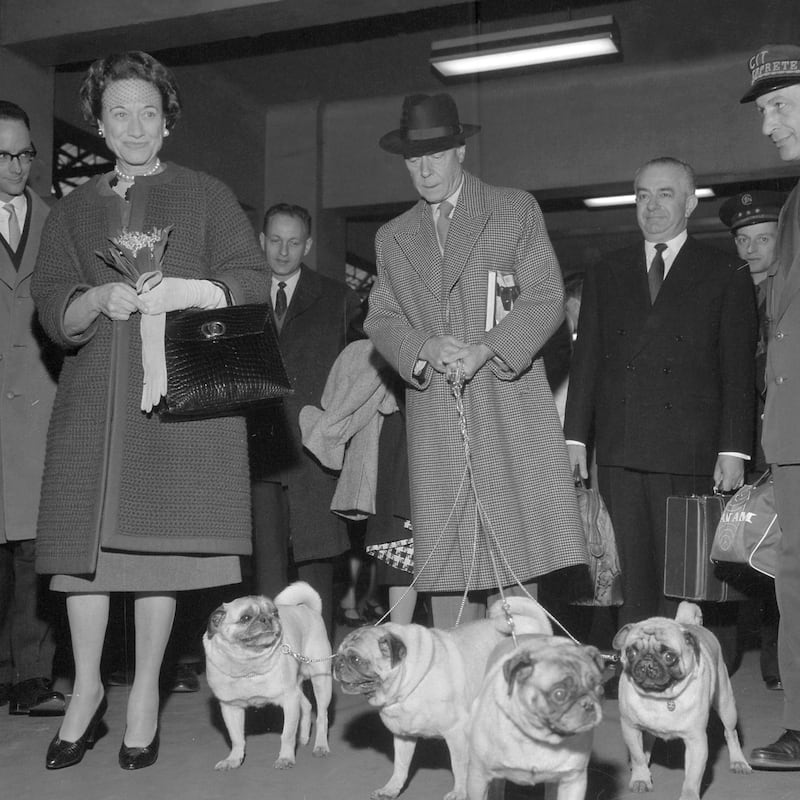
pixel 131 501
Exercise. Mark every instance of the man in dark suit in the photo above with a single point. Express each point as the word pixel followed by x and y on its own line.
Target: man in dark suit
pixel 467 279
pixel 316 318
pixel 662 375
pixel 775 88
pixel 28 365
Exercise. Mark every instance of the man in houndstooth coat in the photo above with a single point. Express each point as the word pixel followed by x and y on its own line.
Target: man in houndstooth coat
pixel 514 516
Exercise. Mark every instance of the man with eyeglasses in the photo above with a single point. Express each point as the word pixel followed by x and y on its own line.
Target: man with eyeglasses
pixel 28 369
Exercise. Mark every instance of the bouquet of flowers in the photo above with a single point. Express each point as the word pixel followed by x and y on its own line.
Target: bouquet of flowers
pixel 137 256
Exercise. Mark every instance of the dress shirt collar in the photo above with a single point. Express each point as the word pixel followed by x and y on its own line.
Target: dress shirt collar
pixel 453 200
pixel 673 248
pixel 291 285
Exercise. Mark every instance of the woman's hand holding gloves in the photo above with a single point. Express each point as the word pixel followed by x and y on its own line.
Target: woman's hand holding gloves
pixel 175 294
pixel 169 294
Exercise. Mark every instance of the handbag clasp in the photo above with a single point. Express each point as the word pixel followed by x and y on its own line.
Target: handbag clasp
pixel 213 329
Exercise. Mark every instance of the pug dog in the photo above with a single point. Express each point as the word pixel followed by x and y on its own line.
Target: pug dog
pixel 424 680
pixel 672 674
pixel 259 652
pixel 533 720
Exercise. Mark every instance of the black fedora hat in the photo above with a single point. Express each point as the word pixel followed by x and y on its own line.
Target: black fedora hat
pixel 429 124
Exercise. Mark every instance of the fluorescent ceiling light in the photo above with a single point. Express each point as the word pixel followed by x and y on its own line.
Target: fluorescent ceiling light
pixel 544 44
pixel 630 199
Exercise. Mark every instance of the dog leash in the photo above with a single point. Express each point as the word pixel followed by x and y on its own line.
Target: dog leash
pixel 455 377
pixel 286 650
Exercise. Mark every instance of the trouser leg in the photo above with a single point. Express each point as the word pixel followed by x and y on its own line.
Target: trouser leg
pixel 787 589
pixel 32 642
pixel 270 563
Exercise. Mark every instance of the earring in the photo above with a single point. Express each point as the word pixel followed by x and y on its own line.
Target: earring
pixel 166 132
pixel 101 133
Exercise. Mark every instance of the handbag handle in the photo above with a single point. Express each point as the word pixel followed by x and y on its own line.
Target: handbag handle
pixel 765 476
pixel 225 290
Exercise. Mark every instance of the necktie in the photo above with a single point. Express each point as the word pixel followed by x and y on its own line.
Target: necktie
pixel 443 222
pixel 13 226
pixel 655 275
pixel 280 300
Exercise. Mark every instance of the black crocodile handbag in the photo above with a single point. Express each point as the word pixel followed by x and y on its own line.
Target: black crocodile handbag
pixel 222 361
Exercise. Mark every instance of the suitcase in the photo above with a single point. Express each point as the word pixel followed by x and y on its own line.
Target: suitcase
pixel 689 572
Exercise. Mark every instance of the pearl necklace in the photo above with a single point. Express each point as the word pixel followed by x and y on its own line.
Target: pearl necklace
pixel 132 178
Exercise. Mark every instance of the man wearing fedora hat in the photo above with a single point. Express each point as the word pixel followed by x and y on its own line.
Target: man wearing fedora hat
pixel 468 287
pixel 775 88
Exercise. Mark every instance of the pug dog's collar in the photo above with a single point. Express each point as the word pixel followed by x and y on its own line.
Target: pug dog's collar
pixel 670 700
pixel 236 675
pixel 409 691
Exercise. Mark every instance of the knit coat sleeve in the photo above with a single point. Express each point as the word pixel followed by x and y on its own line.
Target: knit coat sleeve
pixel 59 276
pixel 232 258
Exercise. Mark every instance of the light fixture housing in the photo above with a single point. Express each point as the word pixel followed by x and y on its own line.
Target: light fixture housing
pixel 593 38
pixel 630 199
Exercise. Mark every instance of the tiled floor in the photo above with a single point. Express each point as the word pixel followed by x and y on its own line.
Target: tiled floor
pixel 193 739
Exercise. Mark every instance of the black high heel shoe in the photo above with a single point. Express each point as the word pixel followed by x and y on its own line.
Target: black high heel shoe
pixel 62 753
pixel 139 757
pixel 343 617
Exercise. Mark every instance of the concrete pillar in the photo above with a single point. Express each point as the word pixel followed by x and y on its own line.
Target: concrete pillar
pixel 293 174
pixel 31 87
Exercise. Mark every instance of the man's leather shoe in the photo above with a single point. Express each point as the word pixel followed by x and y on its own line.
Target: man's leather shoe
pixel 5 692
pixel 773 684
pixel 120 677
pixel 186 679
pixel 782 754
pixel 36 698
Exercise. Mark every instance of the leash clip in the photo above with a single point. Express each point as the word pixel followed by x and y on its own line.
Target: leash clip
pixel 455 377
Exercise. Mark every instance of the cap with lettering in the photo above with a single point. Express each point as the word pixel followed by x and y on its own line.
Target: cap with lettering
pixel 772 67
pixel 749 208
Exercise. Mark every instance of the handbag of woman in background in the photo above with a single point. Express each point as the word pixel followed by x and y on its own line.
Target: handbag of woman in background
pixel 604 568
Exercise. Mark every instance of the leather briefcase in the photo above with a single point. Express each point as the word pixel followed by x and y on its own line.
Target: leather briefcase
pixel 689 572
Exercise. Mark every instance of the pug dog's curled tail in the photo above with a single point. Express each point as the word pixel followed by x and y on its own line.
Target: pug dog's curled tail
pixel 299 593
pixel 689 614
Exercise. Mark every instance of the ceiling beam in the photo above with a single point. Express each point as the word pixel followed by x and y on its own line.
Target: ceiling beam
pixel 53 32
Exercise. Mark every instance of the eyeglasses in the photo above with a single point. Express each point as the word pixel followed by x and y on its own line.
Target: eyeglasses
pixel 25 157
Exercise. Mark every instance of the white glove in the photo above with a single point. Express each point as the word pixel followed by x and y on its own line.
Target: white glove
pixel 175 294
pixel 170 294
pixel 154 361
